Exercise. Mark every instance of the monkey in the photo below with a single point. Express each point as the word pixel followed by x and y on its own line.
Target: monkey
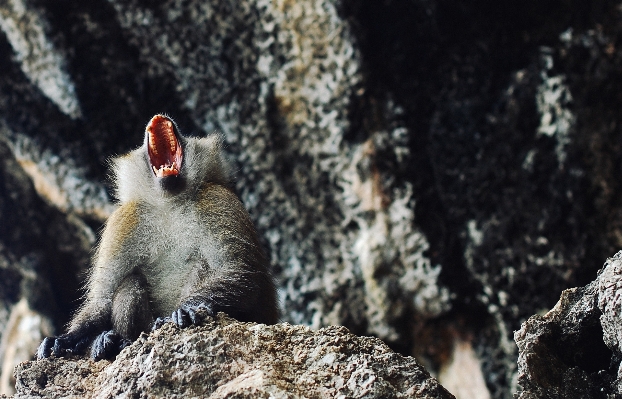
pixel 180 241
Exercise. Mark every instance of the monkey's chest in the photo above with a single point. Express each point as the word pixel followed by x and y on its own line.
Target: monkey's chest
pixel 174 263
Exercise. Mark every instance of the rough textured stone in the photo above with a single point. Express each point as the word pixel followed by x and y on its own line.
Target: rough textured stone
pixel 573 351
pixel 24 330
pixel 609 286
pixel 225 358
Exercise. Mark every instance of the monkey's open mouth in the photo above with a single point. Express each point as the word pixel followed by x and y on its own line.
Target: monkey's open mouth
pixel 165 152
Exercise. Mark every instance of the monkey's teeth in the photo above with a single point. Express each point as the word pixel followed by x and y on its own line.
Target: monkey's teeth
pixel 171 141
pixel 165 170
pixel 171 136
pixel 154 148
pixel 165 161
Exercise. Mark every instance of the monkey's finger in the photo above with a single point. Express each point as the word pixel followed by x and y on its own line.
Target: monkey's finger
pixel 109 338
pixel 205 308
pixel 194 318
pixel 184 320
pixel 59 347
pixel 98 350
pixel 45 349
pixel 107 345
pixel 198 311
pixel 180 317
pixel 175 316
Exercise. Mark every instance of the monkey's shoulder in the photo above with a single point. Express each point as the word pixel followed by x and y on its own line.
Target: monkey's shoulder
pixel 224 213
pixel 124 219
pixel 119 230
pixel 214 198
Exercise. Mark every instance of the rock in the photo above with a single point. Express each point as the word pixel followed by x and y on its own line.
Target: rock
pixel 224 357
pixel 573 351
pixel 610 302
pixel 21 337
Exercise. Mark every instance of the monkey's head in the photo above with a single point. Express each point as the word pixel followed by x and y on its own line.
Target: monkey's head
pixel 169 164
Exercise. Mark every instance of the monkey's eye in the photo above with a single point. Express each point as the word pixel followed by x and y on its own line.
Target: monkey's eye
pixel 165 152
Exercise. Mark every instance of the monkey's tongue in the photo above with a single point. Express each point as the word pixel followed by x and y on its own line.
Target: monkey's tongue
pixel 165 152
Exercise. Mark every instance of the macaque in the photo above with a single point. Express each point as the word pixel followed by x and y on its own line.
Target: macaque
pixel 179 241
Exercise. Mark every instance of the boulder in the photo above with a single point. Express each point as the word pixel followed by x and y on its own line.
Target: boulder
pixel 224 358
pixel 573 351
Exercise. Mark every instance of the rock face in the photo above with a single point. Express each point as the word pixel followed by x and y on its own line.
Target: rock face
pixel 224 357
pixel 431 173
pixel 574 350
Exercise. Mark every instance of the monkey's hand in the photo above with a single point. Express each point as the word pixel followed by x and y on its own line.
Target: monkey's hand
pixel 108 344
pixel 63 345
pixel 189 313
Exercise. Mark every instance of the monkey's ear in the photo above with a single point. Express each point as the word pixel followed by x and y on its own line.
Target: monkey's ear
pixel 214 141
pixel 208 162
pixel 132 176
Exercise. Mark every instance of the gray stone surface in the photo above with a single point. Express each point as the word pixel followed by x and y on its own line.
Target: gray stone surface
pixel 225 358
pixel 573 350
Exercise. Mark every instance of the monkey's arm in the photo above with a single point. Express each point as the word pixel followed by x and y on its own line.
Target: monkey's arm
pixel 243 297
pixel 112 266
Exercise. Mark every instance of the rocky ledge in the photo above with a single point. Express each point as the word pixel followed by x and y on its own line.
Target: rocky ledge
pixel 574 351
pixel 225 358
